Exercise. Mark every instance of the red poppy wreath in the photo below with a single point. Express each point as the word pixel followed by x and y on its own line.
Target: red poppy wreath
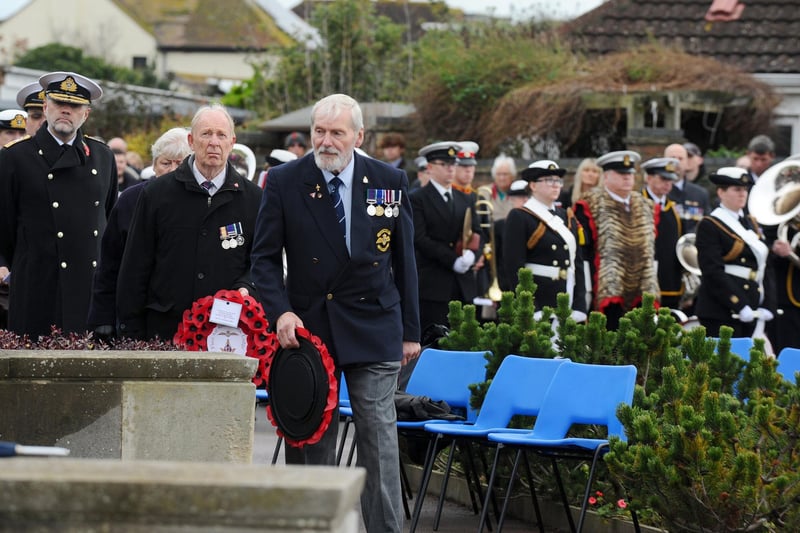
pixel 302 390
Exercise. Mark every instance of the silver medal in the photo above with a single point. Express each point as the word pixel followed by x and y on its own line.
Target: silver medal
pixel 371 210
pixel 226 244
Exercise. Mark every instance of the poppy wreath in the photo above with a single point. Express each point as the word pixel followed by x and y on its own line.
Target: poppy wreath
pixel 331 402
pixel 195 327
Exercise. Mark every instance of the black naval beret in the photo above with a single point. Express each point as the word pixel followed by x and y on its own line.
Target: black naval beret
pixel 13 119
pixel 518 188
pixel 540 169
pixel 32 95
pixel 445 151
pixel 70 88
pixel 279 157
pixel 726 176
pixel 622 161
pixel 298 390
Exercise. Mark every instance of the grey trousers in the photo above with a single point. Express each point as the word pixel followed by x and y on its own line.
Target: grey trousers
pixel 371 388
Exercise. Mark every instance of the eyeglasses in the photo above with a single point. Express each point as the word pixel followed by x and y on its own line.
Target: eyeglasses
pixel 552 181
pixel 442 163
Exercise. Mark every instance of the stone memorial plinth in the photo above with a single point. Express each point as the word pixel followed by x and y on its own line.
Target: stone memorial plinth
pixel 89 495
pixel 174 406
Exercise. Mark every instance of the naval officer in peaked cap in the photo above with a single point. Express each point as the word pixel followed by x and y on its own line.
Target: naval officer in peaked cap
pixel 56 190
pixel 31 99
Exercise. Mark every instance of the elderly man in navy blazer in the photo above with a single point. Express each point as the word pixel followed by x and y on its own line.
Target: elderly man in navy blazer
pixel 345 224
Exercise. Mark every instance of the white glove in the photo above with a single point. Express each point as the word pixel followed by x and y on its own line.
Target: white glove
pixel 765 314
pixel 579 316
pixel 463 263
pixel 746 314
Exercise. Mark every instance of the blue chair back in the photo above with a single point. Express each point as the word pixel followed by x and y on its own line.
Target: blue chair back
pixel 789 363
pixel 446 375
pixel 518 388
pixel 740 346
pixel 585 394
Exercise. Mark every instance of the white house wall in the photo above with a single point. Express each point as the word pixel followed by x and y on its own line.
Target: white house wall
pixel 98 27
pixel 221 65
pixel 788 111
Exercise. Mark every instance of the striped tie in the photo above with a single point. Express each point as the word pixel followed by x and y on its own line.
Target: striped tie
pixel 337 203
pixel 207 185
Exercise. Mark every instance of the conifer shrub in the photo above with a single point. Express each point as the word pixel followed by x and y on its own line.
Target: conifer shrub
pixel 713 440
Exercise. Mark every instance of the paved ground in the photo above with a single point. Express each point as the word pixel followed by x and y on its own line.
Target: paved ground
pixel 455 518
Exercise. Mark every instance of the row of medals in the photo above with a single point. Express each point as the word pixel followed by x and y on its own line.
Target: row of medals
pixel 233 242
pixel 381 211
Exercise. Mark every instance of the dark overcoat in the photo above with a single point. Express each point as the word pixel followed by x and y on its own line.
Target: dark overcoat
pixel 53 208
pixel 175 253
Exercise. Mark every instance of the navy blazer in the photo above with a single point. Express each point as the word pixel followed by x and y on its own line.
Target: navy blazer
pixel 362 305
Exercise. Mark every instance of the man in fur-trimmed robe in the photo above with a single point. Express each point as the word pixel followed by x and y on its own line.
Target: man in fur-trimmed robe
pixel 619 242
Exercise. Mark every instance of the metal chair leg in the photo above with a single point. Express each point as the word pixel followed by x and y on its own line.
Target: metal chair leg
pixel 443 491
pixel 485 509
pixel 277 450
pixel 430 455
pixel 510 487
pixel 533 492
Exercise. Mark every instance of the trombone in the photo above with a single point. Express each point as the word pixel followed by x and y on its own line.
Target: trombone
pixel 483 209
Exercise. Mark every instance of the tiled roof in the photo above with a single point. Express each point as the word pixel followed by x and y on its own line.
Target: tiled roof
pixel 764 39
pixel 206 24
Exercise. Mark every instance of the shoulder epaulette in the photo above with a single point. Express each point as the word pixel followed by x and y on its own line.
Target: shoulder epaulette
pixel 15 141
pixel 96 139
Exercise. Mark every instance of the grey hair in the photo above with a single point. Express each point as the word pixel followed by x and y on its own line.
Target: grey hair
pixel 209 108
pixel 173 144
pixel 503 159
pixel 332 105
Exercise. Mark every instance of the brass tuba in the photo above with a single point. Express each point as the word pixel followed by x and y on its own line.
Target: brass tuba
pixel 775 199
pixel 244 161
pixel 484 209
pixel 686 250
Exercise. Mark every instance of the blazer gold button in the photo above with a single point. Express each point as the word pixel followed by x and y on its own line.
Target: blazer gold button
pixel 94 263
pixel 49 176
pixel 63 265
pixel 60 234
pixel 96 233
pixel 315 260
pixel 375 264
pixel 201 275
pixel 553 247
pixel 96 203
pixel 329 296
pixel 55 205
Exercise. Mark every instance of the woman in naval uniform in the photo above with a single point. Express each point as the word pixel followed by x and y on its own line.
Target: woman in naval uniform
pixel 732 257
pixel 545 239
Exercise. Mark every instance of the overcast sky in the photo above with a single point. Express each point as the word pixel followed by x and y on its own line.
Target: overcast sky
pixel 518 9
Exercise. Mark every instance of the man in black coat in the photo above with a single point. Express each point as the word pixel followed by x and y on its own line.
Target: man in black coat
pixel 444 263
pixel 190 236
pixel 56 190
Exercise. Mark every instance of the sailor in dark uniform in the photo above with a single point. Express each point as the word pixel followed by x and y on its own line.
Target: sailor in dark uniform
pixel 732 256
pixel 56 190
pixel 660 174
pixel 545 239
pixel 444 263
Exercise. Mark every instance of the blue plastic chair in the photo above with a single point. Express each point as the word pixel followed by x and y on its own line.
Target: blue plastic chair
pixel 740 346
pixel 518 388
pixel 443 375
pixel 578 394
pixel 789 363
